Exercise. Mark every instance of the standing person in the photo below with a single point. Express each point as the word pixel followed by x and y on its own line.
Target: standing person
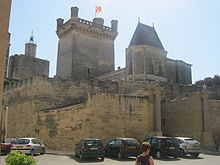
pixel 144 158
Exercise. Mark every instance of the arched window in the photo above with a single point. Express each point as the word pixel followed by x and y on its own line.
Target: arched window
pixel 151 67
pixel 160 69
pixel 130 68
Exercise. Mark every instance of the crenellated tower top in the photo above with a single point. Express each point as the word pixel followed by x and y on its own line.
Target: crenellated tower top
pixel 96 27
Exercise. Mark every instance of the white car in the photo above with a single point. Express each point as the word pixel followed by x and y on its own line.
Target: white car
pixel 30 146
pixel 188 146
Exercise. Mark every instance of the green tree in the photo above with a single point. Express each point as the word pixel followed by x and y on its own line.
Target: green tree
pixel 17 158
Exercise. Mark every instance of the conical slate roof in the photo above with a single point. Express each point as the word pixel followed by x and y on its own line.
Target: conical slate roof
pixel 146 35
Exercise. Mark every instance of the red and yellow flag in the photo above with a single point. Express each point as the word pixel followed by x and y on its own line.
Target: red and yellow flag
pixel 98 9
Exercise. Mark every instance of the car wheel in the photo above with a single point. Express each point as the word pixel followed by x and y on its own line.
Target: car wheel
pixel 120 156
pixel 158 154
pixel 195 155
pixel 102 158
pixel 32 152
pixel 43 151
pixel 80 156
pixel 182 153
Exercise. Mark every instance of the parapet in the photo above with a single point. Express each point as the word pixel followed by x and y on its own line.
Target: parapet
pixel 24 83
pixel 98 21
pixel 96 27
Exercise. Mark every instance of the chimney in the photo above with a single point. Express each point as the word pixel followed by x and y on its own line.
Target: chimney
pixel 74 12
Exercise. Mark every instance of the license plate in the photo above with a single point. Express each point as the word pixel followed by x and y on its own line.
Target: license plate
pixel 93 148
pixel 132 147
pixel 19 147
pixel 172 148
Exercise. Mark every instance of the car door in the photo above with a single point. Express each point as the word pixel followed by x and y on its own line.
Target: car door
pixel 110 147
pixel 41 146
pixel 36 146
pixel 78 146
pixel 117 146
pixel 154 146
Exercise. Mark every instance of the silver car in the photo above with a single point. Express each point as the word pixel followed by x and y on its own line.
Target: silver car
pixel 30 146
pixel 188 146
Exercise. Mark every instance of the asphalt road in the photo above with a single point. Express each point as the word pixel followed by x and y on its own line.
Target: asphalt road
pixel 49 159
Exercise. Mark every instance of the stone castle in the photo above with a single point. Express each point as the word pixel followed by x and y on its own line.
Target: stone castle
pixel 87 98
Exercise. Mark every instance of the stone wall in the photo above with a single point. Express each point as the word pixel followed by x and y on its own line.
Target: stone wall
pixel 214 115
pixel 178 72
pixel 56 109
pixel 41 112
pixel 23 67
pixel 187 117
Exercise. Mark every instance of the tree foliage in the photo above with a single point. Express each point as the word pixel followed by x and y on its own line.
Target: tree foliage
pixel 210 82
pixel 17 158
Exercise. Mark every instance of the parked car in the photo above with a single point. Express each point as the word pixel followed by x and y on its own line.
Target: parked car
pixel 188 146
pixel 163 146
pixel 90 147
pixel 30 146
pixel 10 140
pixel 6 146
pixel 123 147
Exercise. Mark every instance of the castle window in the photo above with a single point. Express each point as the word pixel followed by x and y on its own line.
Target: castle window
pixel 130 68
pixel 89 71
pixel 160 69
pixel 151 67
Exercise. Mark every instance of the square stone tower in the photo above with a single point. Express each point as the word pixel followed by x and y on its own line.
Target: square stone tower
pixel 85 49
pixel 27 65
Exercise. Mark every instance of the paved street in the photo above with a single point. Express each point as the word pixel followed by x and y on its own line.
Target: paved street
pixel 50 159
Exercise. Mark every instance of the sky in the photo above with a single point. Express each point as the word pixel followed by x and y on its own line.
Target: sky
pixel 188 29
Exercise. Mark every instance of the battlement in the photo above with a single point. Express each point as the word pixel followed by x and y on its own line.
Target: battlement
pixel 23 83
pixel 96 27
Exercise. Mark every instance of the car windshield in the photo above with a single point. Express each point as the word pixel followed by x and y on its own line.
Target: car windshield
pixel 132 142
pixel 93 143
pixel 22 141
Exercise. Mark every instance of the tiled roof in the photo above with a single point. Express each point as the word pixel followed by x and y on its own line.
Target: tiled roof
pixel 146 35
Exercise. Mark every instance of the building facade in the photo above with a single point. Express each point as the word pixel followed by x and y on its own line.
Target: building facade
pixel 146 59
pixel 5 7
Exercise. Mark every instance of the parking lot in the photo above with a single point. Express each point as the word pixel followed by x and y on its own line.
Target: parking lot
pixel 207 158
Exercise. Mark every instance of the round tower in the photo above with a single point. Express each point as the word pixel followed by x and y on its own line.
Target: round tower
pixel 30 47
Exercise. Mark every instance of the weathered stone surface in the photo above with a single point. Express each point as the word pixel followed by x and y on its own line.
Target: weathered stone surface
pixel 23 66
pixel 214 115
pixel 100 115
pixel 85 49
pixel 184 117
